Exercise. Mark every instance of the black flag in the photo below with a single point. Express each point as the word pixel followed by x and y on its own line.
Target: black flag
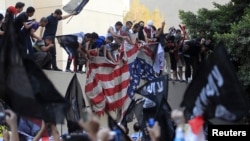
pixel 134 108
pixel 215 91
pixel 138 110
pixel 28 91
pixel 53 103
pixel 120 133
pixel 129 115
pixel 16 89
pixel 75 5
pixel 74 96
pixel 157 91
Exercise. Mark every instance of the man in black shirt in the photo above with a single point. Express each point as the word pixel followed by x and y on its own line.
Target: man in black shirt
pixel 50 30
pixel 21 19
pixel 21 22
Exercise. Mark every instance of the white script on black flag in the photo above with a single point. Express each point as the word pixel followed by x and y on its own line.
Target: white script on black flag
pixel 151 89
pixel 211 89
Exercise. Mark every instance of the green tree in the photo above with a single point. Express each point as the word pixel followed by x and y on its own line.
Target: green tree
pixel 139 12
pixel 228 23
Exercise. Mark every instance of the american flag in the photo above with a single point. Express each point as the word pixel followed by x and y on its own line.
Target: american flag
pixel 111 86
pixel 107 82
pixel 142 67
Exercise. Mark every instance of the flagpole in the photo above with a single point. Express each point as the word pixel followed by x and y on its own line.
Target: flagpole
pixel 61 129
pixel 69 19
pixel 161 104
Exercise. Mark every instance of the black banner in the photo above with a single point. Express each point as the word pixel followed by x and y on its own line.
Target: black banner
pixel 75 111
pixel 215 91
pixel 156 107
pixel 75 5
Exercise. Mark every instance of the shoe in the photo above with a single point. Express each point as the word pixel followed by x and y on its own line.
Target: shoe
pixel 56 69
pixel 68 70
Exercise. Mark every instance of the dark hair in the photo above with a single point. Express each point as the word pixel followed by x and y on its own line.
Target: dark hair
pixel 88 35
pixel 30 9
pixel 58 12
pixel 178 30
pixel 119 23
pixel 19 5
pixel 49 38
pixel 137 25
pixel 154 28
pixel 94 35
pixel 136 127
pixel 141 22
pixel 44 19
pixel 115 45
pixel 129 22
pixel 110 38
pixel 1 16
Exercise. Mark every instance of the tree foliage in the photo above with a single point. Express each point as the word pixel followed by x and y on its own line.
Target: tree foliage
pixel 139 12
pixel 229 23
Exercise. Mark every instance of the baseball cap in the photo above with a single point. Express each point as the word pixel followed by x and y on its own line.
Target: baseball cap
pixel 12 9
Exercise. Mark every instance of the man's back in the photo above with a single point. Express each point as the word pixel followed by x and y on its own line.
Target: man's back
pixel 20 19
pixel 35 26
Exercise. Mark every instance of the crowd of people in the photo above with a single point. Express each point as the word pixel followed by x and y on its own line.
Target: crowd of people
pixel 180 52
pixel 89 130
pixel 25 28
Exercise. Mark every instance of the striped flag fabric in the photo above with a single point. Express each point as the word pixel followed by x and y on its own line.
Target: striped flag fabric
pixel 111 86
pixel 107 82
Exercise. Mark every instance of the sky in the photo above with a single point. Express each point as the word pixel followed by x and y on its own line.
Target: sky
pixel 169 8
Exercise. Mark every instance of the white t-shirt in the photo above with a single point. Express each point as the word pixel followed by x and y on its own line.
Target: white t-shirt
pixel 114 29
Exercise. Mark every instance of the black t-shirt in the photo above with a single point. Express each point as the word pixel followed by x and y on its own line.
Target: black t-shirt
pixel 51 26
pixel 20 19
pixel 194 47
pixel 141 34
pixel 161 39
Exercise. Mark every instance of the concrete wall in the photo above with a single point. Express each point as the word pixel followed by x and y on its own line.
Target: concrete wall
pixel 61 81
